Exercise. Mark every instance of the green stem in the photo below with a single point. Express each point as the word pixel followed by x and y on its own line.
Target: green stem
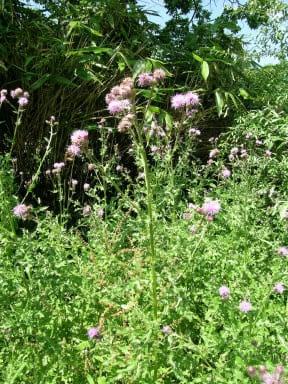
pixel 17 124
pixel 36 176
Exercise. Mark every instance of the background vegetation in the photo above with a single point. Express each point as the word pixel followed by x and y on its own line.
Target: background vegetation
pixel 83 257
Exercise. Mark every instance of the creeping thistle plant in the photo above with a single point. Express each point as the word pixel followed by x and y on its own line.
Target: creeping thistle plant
pixel 137 119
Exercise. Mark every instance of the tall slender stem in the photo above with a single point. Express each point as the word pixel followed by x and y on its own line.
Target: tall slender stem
pixel 151 233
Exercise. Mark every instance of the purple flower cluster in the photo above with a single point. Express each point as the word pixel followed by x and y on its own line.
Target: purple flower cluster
pixel 147 79
pixel 181 100
pixel 79 144
pixel 22 211
pixel 209 209
pixel 118 99
pixel 18 93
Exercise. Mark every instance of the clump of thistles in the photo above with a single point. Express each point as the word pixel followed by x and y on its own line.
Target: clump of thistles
pixel 182 100
pixel 18 93
pixel 22 211
pixel 79 144
pixel 118 99
pixel 224 292
pixel 210 209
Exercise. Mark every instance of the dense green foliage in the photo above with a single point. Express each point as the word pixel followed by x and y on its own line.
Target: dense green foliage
pixel 118 242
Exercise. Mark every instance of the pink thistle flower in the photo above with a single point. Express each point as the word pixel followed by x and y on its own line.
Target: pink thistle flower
pixel 166 329
pixel 191 99
pixel 22 211
pixel 159 74
pixel 145 79
pixel 73 150
pixel 268 153
pixel 109 98
pixel 58 166
pixel 243 154
pixel 2 99
pixel 248 135
pixel 126 123
pixel 118 106
pixel 213 153
pixel 258 142
pixel 26 94
pixel 194 132
pixel 91 167
pixel 100 213
pixel 3 92
pixel 234 151
pixel 80 138
pixel 178 101
pixel 127 82
pixel 86 187
pixel 94 333
pixel 245 306
pixel 87 210
pixel 18 92
pixel 210 208
pixel 224 292
pixel 279 288
pixel 23 101
pixel 226 173
pixel 251 371
pixel 283 251
pixel 74 183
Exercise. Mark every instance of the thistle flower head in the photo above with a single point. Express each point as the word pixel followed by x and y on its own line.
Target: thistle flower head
pixel 23 101
pixel 80 138
pixel 145 79
pixel 22 211
pixel 166 329
pixel 94 333
pixel 191 99
pixel 159 74
pixel 225 173
pixel 118 106
pixel 283 251
pixel 210 208
pixel 224 292
pixel 279 288
pixel 178 101
pixel 73 150
pixel 245 306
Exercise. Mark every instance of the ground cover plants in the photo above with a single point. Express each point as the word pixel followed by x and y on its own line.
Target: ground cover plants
pixel 143 196
pixel 177 277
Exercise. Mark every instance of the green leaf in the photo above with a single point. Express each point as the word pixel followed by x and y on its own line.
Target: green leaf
pixel 244 93
pixel 101 380
pixel 90 380
pixel 38 83
pixel 219 102
pixel 205 70
pixel 168 120
pixel 196 57
pixel 95 50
